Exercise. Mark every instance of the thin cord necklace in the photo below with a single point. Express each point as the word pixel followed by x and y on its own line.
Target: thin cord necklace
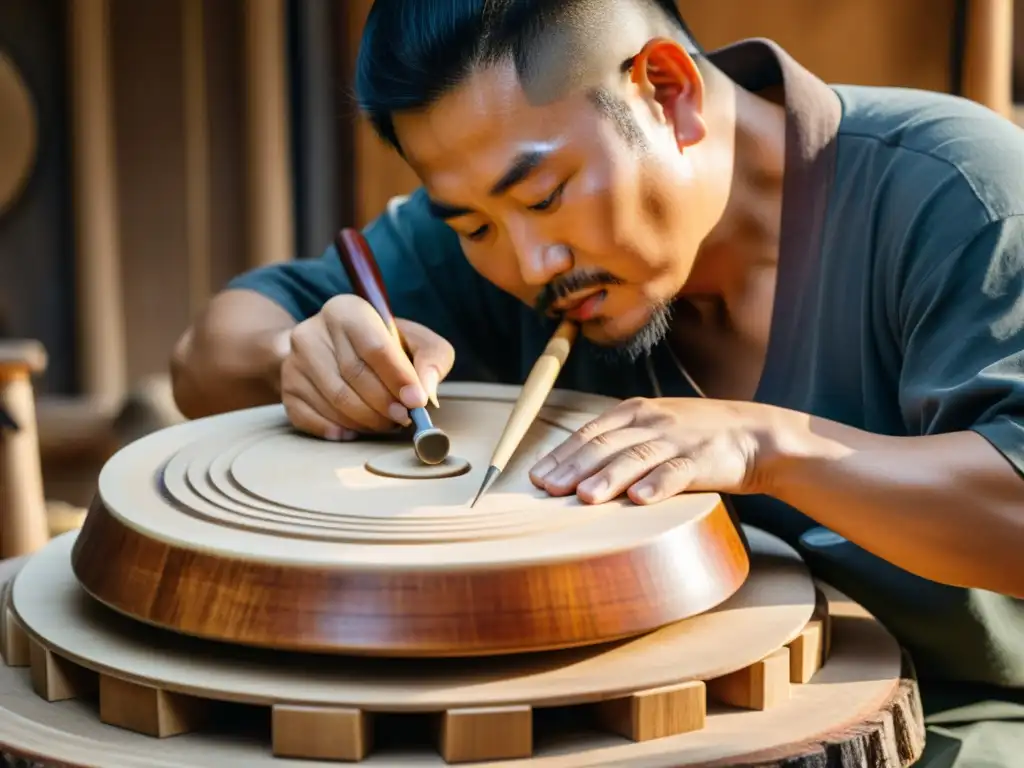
pixel 653 375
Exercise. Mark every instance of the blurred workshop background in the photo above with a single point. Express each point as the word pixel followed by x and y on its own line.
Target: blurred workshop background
pixel 149 150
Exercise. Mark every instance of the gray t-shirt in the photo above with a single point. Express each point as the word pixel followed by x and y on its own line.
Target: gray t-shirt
pixel 900 310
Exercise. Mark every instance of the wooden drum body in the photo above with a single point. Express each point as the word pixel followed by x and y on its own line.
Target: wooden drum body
pixel 237 528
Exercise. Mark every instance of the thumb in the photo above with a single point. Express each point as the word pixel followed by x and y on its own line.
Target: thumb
pixel 432 355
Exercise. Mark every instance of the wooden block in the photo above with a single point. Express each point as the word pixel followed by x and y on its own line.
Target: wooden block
pixel 760 686
pixel 486 733
pixel 656 713
pixel 821 611
pixel 16 646
pixel 320 733
pixel 148 710
pixel 57 679
pixel 807 651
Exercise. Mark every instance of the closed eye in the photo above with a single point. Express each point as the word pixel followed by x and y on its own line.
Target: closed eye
pixel 545 204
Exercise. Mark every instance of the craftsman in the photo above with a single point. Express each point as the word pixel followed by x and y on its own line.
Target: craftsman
pixel 809 297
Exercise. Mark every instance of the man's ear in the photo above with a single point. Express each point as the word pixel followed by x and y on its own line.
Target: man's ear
pixel 665 73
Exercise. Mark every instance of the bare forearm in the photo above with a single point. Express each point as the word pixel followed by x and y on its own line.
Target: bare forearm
pixel 948 508
pixel 231 357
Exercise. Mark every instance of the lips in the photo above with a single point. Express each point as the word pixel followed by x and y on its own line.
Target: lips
pixel 575 300
pixel 586 308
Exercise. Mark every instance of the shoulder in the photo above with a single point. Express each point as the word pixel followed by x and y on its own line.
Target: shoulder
pixel 934 148
pixel 932 181
pixel 406 226
pixel 421 257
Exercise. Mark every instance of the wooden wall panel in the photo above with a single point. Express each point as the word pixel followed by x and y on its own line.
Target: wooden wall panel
pixel 316 100
pixel 868 42
pixel 196 121
pixel 148 80
pixel 149 86
pixel 379 173
pixel 269 185
pixel 100 319
pixel 224 75
pixel 986 71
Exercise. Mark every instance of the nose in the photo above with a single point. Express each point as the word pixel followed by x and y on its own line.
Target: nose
pixel 540 261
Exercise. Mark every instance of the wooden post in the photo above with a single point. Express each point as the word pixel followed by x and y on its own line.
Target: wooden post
pixel 197 156
pixel 270 216
pixel 380 172
pixel 101 322
pixel 23 525
pixel 318 91
pixel 988 55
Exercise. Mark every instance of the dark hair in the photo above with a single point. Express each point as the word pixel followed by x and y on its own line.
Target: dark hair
pixel 415 51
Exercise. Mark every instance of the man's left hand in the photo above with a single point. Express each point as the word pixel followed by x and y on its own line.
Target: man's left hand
pixel 655 448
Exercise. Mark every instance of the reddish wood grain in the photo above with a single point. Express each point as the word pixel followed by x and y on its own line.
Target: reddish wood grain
pixel 364 274
pixel 433 612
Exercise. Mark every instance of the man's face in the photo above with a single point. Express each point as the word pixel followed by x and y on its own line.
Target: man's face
pixel 557 207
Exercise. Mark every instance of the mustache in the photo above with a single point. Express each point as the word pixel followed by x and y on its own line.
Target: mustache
pixel 573 283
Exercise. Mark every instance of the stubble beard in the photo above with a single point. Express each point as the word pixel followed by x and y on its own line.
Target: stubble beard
pixel 641 343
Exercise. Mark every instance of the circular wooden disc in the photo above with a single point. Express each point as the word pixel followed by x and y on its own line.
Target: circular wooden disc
pixel 768 611
pixel 18 133
pixel 299 546
pixel 861 706
pixel 403 463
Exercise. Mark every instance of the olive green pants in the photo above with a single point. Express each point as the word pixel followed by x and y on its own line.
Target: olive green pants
pixel 969 731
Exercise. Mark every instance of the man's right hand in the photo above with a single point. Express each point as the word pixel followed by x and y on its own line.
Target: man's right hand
pixel 344 373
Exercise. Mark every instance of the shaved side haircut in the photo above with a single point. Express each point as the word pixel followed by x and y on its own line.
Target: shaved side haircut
pixel 413 52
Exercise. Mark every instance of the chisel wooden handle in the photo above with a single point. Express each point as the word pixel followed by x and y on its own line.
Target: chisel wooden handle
pixel 357 260
pixel 364 274
pixel 531 399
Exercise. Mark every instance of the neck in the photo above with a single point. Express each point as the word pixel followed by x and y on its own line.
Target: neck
pixel 748 155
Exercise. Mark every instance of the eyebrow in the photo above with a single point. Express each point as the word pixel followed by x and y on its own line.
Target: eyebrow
pixel 444 212
pixel 522 166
